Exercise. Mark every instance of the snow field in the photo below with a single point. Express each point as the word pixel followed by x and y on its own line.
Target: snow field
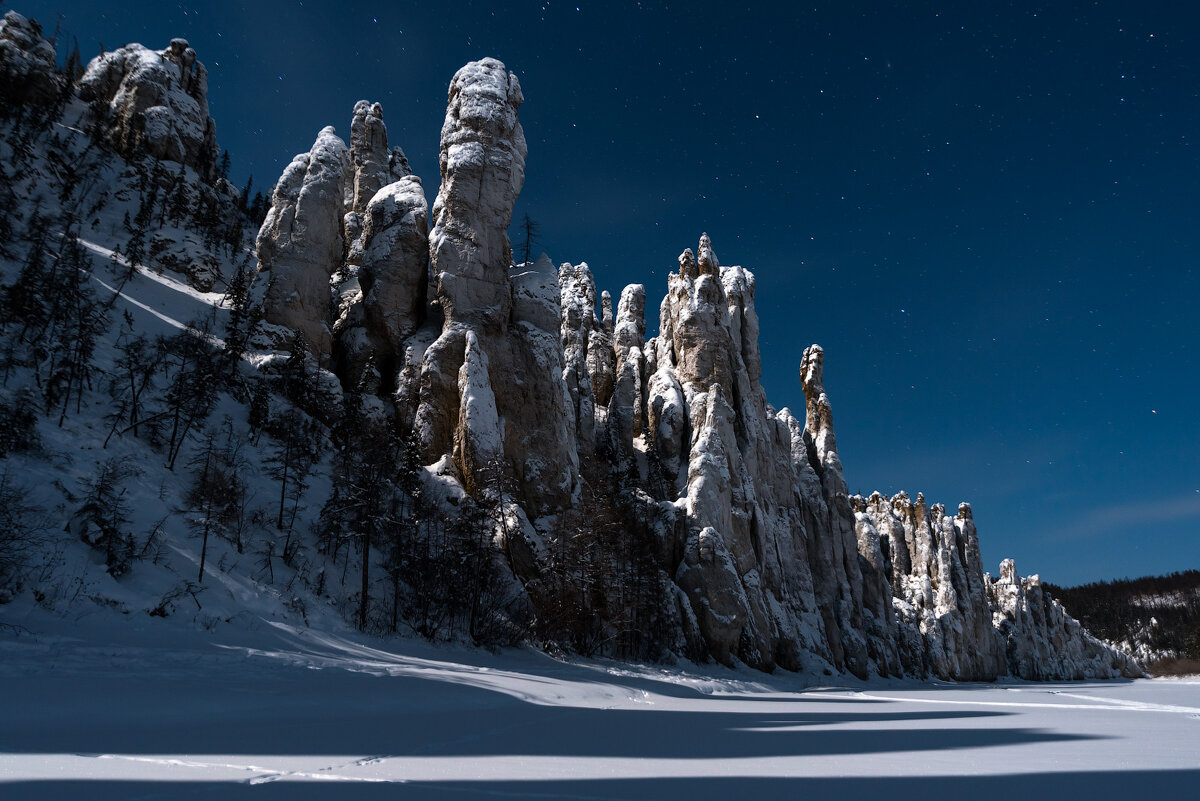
pixel 273 710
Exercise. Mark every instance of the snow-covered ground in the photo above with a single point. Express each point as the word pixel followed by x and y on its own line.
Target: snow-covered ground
pixel 145 709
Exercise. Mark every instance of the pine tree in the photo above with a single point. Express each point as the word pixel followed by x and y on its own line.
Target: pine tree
pixel 243 318
pixel 103 518
pixel 291 459
pixel 135 367
pixel 191 367
pixel 529 237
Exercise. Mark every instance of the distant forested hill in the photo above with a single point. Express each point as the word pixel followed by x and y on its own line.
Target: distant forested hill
pixel 1156 618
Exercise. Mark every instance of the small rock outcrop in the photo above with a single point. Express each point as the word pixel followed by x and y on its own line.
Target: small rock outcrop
pixel 1042 641
pixel 27 73
pixel 375 166
pixel 156 101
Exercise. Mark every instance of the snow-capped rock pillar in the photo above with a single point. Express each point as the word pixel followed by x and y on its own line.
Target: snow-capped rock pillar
pixel 482 160
pixel 300 243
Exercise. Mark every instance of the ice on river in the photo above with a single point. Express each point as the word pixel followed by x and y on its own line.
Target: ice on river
pixel 279 712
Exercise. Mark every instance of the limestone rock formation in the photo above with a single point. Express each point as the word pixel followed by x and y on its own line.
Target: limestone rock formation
pixel 725 459
pixel 1042 641
pixel 482 159
pixel 300 244
pixel 523 387
pixel 935 572
pixel 501 324
pixel 156 100
pixel 375 166
pixel 27 73
pixel 748 509
pixel 359 215
pixel 395 257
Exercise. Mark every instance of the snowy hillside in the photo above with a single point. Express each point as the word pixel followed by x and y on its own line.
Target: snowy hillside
pixel 1156 618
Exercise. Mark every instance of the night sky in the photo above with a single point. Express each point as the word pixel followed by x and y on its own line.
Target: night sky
pixel 985 212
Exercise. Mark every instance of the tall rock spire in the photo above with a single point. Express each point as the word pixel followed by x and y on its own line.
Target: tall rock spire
pixel 500 326
pixel 482 159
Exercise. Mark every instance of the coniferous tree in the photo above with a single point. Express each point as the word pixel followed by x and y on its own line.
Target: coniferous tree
pixel 529 237
pixel 103 519
pixel 77 320
pixel 244 198
pixel 137 363
pixel 243 318
pixel 191 369
pixel 180 198
pixel 217 490
pixel 291 459
pixel 24 529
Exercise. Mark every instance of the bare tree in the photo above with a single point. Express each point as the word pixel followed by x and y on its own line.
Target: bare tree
pixel 530 233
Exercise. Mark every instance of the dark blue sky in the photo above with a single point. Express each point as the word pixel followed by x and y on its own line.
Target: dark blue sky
pixel 985 212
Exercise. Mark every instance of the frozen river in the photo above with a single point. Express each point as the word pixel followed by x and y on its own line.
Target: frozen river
pixel 294 714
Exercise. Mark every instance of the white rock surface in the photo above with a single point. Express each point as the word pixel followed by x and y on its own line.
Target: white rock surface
pixel 300 244
pixel 482 160
pixel 395 258
pixel 375 165
pixel 503 318
pixel 526 377
pixel 156 99
pixel 1043 641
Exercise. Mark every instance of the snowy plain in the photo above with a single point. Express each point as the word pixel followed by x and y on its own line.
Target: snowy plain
pixel 124 709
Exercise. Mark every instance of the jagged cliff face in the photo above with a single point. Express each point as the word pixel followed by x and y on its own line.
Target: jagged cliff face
pixel 516 391
pixel 343 250
pixel 933 569
pixel 1041 640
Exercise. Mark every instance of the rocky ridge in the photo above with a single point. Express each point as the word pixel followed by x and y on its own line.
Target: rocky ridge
pixel 27 70
pixel 513 388
pixel 156 101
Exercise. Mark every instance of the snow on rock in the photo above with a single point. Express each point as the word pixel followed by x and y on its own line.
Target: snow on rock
pixel 356 213
pixel 522 385
pixel 719 450
pixel 578 302
pixel 526 377
pixel 630 329
pixel 27 73
pixel 482 438
pixel 482 160
pixel 395 259
pixel 509 316
pixel 1045 643
pixel 934 569
pixel 156 100
pixel 375 165
pixel 772 561
pixel 300 244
